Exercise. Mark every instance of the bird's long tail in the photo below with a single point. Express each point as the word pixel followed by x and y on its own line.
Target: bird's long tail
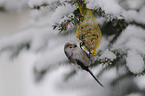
pixel 95 77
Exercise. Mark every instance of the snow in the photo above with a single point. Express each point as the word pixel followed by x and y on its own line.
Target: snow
pixel 135 94
pixel 41 38
pixel 108 54
pixel 66 18
pixel 46 48
pixel 13 4
pixel 54 53
pixel 136 44
pixel 133 15
pixel 24 84
pixel 131 38
pixel 111 7
pixel 135 62
pixel 135 4
pixel 52 57
pixel 53 84
pixel 140 81
pixel 104 44
pixel 101 21
pixel 37 14
pixel 33 3
pixel 37 37
pixel 61 11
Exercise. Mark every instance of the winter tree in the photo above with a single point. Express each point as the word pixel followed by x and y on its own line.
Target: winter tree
pixel 120 62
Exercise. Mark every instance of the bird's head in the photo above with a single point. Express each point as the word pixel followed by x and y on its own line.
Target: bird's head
pixel 70 45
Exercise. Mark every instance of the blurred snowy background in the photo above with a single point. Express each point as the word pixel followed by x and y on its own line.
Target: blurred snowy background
pixel 32 62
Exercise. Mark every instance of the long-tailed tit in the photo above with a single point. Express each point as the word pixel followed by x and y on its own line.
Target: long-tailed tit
pixel 78 57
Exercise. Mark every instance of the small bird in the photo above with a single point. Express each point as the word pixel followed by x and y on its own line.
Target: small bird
pixel 78 57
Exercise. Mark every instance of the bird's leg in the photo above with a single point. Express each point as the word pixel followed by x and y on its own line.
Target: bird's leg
pixel 90 56
pixel 90 53
pixel 82 44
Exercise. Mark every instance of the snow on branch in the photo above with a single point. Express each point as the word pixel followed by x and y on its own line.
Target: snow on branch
pixel 111 7
pixel 133 15
pixel 135 62
pixel 132 38
pixel 122 44
pixel 61 12
pixel 35 37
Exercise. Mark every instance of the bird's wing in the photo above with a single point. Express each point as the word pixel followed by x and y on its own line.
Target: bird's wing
pixel 85 59
pixel 70 58
pixel 82 56
pixel 86 54
pixel 81 64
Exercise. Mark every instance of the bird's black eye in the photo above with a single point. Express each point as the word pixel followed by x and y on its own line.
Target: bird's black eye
pixel 70 47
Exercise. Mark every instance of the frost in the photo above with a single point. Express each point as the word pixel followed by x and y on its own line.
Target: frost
pixel 135 62
pixel 108 54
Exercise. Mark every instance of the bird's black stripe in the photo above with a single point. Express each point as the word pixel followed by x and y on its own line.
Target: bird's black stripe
pixel 82 65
